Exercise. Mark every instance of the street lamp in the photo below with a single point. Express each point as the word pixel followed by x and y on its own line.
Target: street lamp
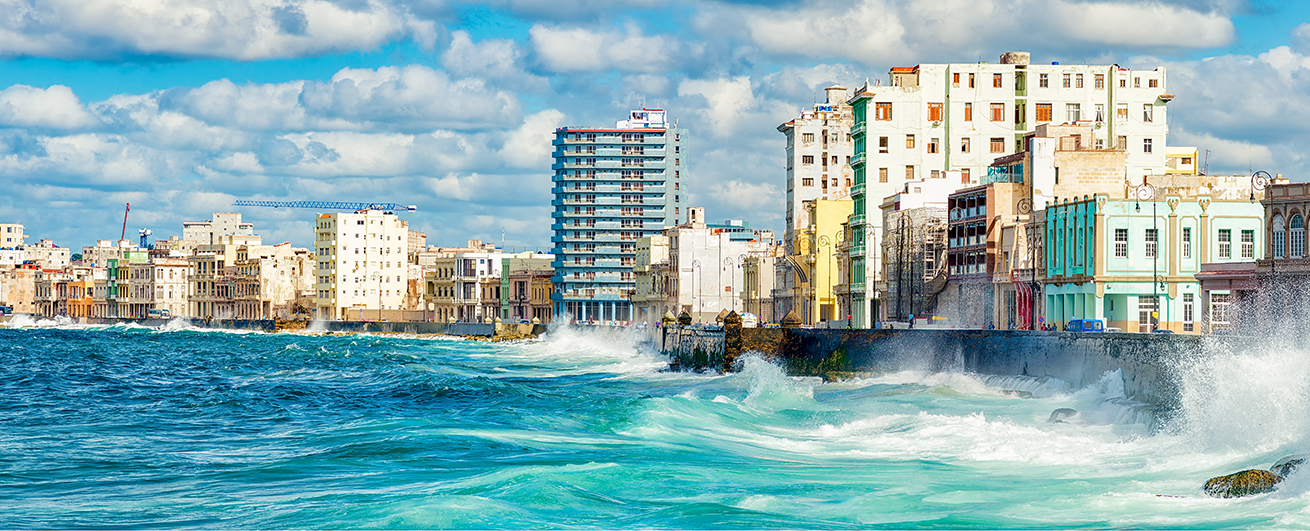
pixel 695 264
pixel 825 241
pixel 1259 180
pixel 1146 191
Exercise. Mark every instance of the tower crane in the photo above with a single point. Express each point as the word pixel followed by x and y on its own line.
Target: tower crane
pixel 327 205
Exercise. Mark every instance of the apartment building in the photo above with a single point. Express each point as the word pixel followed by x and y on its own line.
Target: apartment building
pixel 158 288
pixel 48 255
pixel 220 224
pixel 612 187
pixel 362 263
pixel 274 282
pixel 11 236
pixel 818 155
pixel 525 287
pixel 949 121
pixel 464 284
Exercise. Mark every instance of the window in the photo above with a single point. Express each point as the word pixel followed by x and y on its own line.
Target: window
pixel 909 141
pixel 1121 112
pixel 1044 80
pixel 1248 244
pixel 970 80
pixel 1043 112
pixel 1123 83
pixel 968 112
pixel 1146 145
pixel 807 181
pixel 1152 236
pixel 1187 242
pixel 1100 112
pixel 955 79
pixel 1148 111
pixel 1189 312
pixel 1297 236
pixel 882 175
pixel 964 145
pixel 807 159
pixel 882 144
pixel 1137 82
pixel 1073 112
pixel 998 112
pixel 1280 237
pixel 1099 81
pixel 882 111
pixel 1121 143
pixel 1219 308
pixel 807 137
pixel 996 81
pixel 998 145
pixel 1225 243
pixel 1066 81
pixel 934 112
pixel 964 176
pixel 1121 243
pixel 936 174
pixel 932 146
pixel 1146 308
pixel 909 173
pixel 1078 81
pixel 1153 83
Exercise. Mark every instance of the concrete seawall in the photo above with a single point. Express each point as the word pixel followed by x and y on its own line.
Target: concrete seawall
pixel 503 330
pixel 1148 361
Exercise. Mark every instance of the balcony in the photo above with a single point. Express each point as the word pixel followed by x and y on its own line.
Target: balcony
pixel 858 160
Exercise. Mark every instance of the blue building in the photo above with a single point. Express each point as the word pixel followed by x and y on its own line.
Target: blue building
pixel 612 187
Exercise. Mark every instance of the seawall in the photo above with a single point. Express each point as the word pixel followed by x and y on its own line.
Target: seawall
pixel 1148 361
pixel 500 330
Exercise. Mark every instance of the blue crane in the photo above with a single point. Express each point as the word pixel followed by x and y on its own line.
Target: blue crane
pixel 328 205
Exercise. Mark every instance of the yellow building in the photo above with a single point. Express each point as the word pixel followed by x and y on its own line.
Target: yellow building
pixel 814 263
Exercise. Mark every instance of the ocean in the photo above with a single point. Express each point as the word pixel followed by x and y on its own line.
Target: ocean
pixel 130 427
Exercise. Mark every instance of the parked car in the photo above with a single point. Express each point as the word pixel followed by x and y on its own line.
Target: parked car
pixel 6 310
pixel 1162 331
pixel 1085 325
pixel 1114 329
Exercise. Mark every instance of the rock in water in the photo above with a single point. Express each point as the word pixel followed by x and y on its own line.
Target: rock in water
pixel 1288 464
pixel 1243 483
pixel 1059 415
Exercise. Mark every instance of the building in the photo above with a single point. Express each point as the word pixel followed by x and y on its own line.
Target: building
pixel 759 280
pixel 48 255
pixel 703 273
pixel 219 225
pixel 11 236
pixel 158 288
pixel 362 263
pixel 612 187
pixel 525 287
pixel 106 250
pixel 463 284
pixel 274 282
pixel 654 280
pixel 949 121
pixel 1134 261
pixel 810 276
pixel 819 151
pixel 18 288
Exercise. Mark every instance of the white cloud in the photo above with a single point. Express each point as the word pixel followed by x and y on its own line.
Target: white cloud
pixel 410 97
pixel 529 146
pixel 55 108
pixel 242 29
pixel 727 100
pixel 581 49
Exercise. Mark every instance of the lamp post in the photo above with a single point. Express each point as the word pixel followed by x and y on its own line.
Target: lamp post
pixel 695 265
pixel 727 266
pixel 825 241
pixel 1146 191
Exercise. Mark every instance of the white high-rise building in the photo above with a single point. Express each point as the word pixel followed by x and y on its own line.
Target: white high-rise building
pixel 819 152
pixel 950 121
pixel 221 224
pixel 361 262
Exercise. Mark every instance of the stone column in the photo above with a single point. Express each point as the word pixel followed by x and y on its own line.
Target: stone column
pixel 1204 236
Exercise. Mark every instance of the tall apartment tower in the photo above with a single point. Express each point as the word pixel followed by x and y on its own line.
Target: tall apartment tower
pixel 819 151
pixel 362 263
pixel 951 121
pixel 613 186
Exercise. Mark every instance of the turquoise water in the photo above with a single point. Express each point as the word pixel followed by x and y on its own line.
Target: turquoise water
pixel 139 428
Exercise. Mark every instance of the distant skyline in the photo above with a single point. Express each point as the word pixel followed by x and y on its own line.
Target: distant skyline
pixel 451 106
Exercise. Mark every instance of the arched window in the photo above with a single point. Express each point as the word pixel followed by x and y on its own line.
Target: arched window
pixel 1280 236
pixel 1297 236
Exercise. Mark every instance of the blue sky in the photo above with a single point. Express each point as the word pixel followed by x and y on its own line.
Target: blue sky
pixel 182 106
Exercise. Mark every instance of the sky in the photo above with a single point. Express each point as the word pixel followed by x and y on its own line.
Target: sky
pixel 181 107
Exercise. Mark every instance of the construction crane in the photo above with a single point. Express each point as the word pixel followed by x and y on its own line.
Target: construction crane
pixel 125 211
pixel 328 205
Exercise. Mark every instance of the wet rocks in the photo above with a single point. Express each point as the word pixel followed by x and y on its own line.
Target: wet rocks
pixel 1248 482
pixel 1244 483
pixel 1058 416
pixel 1289 464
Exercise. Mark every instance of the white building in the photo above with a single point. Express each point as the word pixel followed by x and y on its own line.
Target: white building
pixel 48 255
pixel 938 118
pixel 819 151
pixel 221 224
pixel 362 262
pixel 160 285
pixel 11 236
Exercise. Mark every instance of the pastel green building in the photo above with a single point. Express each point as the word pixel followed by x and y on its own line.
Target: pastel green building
pixel 1133 262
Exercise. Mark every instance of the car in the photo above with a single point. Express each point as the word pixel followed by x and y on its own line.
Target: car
pixel 6 310
pixel 1162 331
pixel 1085 325
pixel 1114 329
